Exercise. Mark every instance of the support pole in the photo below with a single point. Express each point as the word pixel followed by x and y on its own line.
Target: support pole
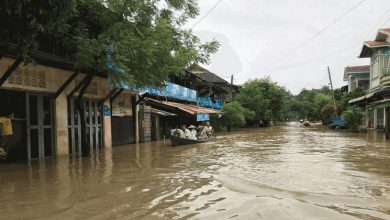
pixel 9 71
pixel 108 96
pixel 231 87
pixel 116 95
pixel 66 83
pixel 85 145
pixel 71 94
pixel 331 87
pixel 387 123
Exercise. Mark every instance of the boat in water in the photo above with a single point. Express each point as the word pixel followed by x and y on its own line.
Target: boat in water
pixel 176 141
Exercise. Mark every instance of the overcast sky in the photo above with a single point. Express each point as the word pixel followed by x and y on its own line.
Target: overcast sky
pixel 256 35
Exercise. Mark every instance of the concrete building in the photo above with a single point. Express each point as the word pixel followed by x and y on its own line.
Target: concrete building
pixel 191 98
pixel 377 100
pixel 41 97
pixel 357 76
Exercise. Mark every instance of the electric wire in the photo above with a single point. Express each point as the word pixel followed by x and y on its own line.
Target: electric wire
pixel 316 34
pixel 207 13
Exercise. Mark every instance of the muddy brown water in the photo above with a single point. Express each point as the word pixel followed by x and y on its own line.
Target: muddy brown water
pixel 283 172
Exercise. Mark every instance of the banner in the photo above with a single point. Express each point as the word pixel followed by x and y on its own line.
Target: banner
pixel 202 117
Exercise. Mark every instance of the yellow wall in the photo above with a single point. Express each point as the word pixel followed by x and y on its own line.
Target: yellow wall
pixel 54 78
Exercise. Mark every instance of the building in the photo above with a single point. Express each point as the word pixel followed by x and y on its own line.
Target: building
pixel 42 98
pixel 190 98
pixel 377 101
pixel 357 76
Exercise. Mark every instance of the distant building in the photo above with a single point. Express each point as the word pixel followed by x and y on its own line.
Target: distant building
pixel 357 76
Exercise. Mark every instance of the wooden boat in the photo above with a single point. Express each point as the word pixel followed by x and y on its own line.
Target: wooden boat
pixel 176 141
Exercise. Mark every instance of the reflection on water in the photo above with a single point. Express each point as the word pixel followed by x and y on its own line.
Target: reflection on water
pixel 284 172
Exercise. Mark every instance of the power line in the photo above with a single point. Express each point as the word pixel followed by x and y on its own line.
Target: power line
pixel 204 16
pixel 317 34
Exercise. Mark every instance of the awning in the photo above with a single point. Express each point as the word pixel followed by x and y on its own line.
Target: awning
pixel 362 98
pixel 380 104
pixel 188 108
pixel 162 113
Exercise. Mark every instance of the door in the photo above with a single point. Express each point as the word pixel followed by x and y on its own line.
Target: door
pixel 94 125
pixel 40 139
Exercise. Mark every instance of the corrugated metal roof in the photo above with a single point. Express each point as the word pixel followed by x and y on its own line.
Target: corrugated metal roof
pixel 374 44
pixel 188 108
pixel 369 45
pixel 206 75
pixel 357 69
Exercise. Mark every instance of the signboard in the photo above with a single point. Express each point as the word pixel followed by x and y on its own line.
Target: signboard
pixel 106 111
pixel 173 91
pixel 205 101
pixel 202 117
pixel 121 106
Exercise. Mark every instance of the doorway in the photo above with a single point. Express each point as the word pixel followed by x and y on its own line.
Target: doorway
pixel 94 125
pixel 40 139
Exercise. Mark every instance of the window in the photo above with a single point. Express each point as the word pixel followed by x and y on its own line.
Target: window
pixel 384 63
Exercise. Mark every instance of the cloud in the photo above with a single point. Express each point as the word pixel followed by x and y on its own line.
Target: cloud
pixel 256 33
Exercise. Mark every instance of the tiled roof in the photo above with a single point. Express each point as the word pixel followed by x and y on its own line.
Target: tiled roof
pixel 376 43
pixel 189 108
pixel 385 30
pixel 206 75
pixel 355 69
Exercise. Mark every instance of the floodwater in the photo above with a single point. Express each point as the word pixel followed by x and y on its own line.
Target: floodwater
pixel 283 172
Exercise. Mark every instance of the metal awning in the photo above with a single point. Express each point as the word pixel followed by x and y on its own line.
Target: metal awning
pixel 162 113
pixel 380 104
pixel 188 108
pixel 362 98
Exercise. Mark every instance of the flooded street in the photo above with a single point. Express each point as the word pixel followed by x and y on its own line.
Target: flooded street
pixel 284 172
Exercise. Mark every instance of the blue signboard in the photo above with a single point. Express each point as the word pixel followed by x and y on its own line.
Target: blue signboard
pixel 202 117
pixel 173 91
pixel 205 101
pixel 106 111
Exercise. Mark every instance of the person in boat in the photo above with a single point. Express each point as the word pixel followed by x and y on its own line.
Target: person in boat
pixel 209 129
pixel 193 133
pixel 202 133
pixel 177 133
pixel 187 132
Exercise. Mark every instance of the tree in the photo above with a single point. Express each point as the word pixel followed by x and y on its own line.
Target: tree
pixel 264 97
pixel 327 112
pixel 353 117
pixel 138 42
pixel 234 115
pixel 347 96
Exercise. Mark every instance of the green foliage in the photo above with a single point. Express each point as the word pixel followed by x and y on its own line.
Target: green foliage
pixel 353 117
pixel 346 97
pixel 265 98
pixel 26 23
pixel 234 115
pixel 309 103
pixel 327 112
pixel 144 39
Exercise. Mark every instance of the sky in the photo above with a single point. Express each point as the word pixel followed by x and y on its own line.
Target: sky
pixel 259 38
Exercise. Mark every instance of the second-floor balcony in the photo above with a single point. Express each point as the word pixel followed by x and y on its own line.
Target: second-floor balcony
pixel 385 80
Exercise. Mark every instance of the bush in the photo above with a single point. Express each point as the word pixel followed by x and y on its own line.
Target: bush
pixel 353 117
pixel 327 112
pixel 234 115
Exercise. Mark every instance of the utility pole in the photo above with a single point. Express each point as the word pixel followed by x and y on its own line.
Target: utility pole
pixel 231 87
pixel 331 87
